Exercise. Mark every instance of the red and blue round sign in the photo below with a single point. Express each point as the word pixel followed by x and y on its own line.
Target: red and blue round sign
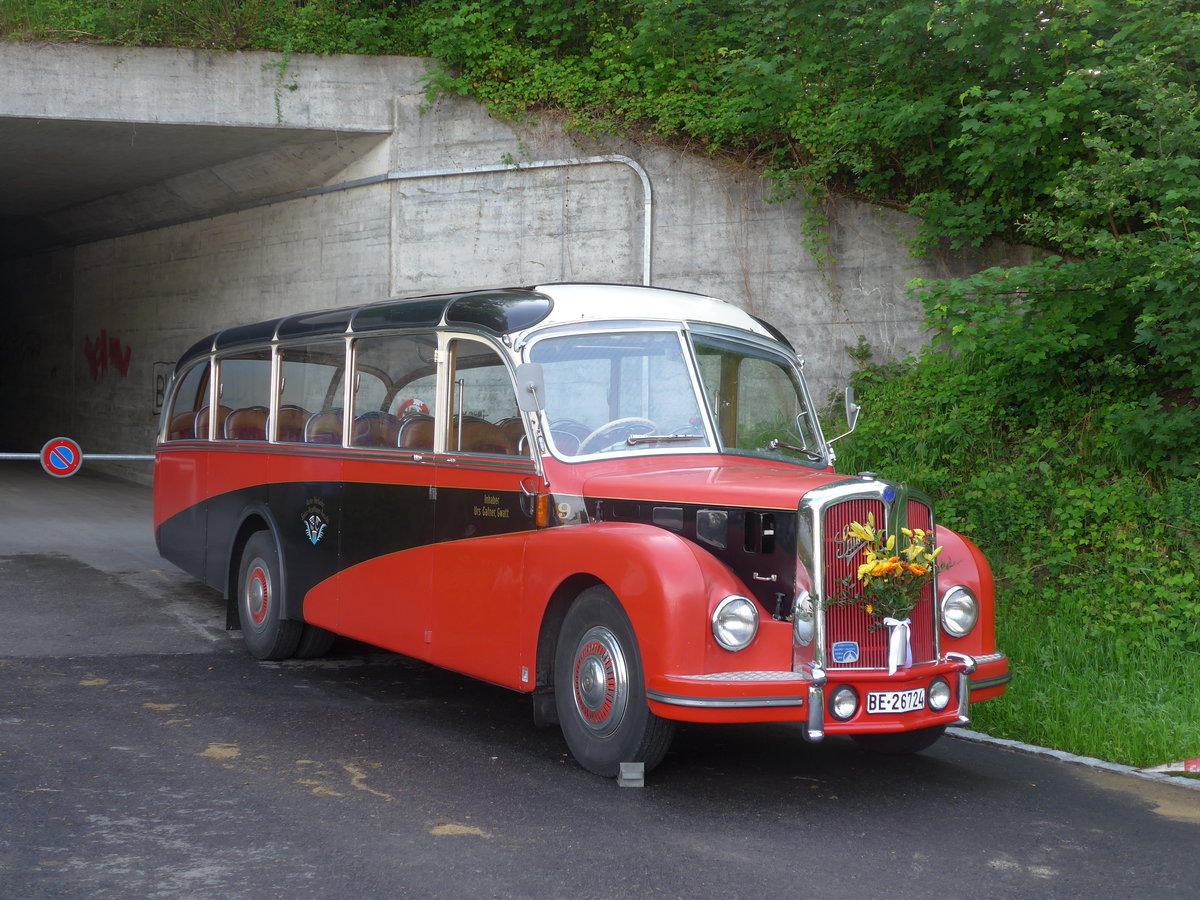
pixel 61 457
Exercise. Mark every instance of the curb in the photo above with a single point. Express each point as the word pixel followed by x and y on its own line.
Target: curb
pixel 1092 763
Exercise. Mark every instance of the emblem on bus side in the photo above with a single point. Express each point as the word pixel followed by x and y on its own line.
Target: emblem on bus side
pixel 315 521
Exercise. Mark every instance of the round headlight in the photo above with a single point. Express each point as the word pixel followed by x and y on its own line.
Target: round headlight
pixel 843 703
pixel 960 611
pixel 735 622
pixel 939 694
pixel 804 619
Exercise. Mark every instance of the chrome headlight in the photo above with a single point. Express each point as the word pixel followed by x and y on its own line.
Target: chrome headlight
pixel 939 694
pixel 804 619
pixel 960 611
pixel 735 622
pixel 843 703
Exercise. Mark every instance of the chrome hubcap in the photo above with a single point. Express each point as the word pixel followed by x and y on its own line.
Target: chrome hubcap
pixel 258 594
pixel 601 681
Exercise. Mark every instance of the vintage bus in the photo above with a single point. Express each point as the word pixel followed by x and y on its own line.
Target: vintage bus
pixel 615 499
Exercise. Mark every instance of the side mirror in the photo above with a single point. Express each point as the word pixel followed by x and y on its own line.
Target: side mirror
pixel 531 387
pixel 852 411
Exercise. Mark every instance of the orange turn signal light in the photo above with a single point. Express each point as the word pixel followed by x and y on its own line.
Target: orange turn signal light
pixel 541 510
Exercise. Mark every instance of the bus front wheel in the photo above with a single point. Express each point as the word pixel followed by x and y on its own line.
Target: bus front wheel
pixel 266 633
pixel 600 691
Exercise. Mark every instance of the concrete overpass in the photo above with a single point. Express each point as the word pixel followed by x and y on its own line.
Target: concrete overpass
pixel 150 196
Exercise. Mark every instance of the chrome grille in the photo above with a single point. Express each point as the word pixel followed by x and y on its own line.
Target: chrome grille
pixel 850 622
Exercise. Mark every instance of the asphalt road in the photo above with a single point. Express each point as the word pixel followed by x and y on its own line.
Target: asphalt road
pixel 144 754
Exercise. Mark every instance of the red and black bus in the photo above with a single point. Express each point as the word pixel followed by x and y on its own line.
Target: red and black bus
pixel 616 499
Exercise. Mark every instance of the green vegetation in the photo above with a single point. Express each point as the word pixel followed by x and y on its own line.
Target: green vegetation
pixel 300 26
pixel 1099 595
pixel 1055 416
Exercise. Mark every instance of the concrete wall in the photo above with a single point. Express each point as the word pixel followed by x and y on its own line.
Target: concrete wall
pixel 100 322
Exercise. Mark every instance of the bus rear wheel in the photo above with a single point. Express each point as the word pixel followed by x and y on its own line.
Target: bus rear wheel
pixel 600 690
pixel 266 633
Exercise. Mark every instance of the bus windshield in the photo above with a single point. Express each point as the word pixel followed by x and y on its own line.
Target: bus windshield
pixel 613 392
pixel 636 392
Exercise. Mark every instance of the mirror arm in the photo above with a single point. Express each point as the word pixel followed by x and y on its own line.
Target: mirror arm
pixel 852 411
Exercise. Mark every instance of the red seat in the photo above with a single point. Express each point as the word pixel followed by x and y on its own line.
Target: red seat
pixel 324 428
pixel 416 432
pixel 292 420
pixel 183 427
pixel 202 421
pixel 248 424
pixel 479 436
pixel 375 429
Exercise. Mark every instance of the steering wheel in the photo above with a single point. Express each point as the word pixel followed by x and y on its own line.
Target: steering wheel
pixel 585 444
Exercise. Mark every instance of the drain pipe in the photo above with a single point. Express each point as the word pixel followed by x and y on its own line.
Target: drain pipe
pixel 495 168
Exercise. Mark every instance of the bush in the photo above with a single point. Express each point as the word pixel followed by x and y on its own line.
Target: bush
pixel 1073 526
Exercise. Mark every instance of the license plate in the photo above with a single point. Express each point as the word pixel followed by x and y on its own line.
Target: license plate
pixel 890 702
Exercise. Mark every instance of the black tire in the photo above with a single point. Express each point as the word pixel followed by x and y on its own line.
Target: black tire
pixel 902 743
pixel 314 642
pixel 600 690
pixel 267 635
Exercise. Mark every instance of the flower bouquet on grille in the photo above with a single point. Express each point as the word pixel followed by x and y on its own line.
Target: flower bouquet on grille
pixel 890 581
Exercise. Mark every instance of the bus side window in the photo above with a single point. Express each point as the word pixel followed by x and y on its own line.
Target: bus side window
pixel 191 396
pixel 245 392
pixel 311 375
pixel 395 378
pixel 483 403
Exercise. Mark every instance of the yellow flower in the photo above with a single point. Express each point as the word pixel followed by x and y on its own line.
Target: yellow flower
pixel 861 533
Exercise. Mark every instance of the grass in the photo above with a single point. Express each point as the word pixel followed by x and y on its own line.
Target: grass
pixel 1089 696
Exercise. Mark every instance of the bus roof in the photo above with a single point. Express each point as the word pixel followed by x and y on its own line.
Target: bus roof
pixel 500 311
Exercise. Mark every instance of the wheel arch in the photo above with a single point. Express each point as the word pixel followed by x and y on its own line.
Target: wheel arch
pixel 254 520
pixel 661 581
pixel 544 712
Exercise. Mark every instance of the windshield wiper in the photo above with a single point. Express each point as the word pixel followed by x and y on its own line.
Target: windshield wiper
pixel 777 444
pixel 635 439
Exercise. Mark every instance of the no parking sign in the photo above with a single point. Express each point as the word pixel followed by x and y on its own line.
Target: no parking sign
pixel 61 457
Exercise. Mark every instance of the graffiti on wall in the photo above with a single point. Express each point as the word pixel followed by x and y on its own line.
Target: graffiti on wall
pixel 162 378
pixel 106 351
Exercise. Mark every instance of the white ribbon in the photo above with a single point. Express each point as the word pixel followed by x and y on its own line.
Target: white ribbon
pixel 899 643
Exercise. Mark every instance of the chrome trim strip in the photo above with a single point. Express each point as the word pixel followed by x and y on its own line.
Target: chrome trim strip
pixel 723 703
pixel 771 675
pixel 986 683
pixel 990 658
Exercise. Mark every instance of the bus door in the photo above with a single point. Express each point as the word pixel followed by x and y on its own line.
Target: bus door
pixel 305 472
pixel 485 479
pixel 387 514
